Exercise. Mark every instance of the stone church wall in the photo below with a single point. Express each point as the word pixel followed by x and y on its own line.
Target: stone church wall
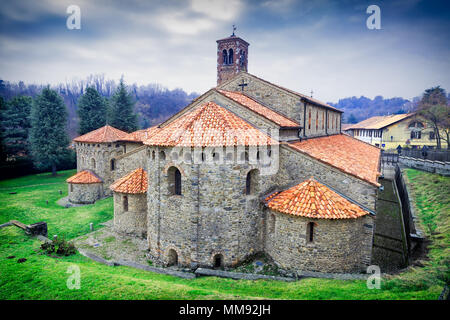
pixel 97 158
pixel 290 105
pixel 343 245
pixel 296 167
pixel 287 104
pixel 133 221
pixel 212 216
pixel 133 159
pixel 85 193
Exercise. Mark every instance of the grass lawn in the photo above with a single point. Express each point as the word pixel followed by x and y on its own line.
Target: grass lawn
pixel 44 277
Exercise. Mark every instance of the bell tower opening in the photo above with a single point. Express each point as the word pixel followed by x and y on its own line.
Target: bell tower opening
pixel 232 57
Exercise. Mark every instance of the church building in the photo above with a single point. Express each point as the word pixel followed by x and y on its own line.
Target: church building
pixel 248 167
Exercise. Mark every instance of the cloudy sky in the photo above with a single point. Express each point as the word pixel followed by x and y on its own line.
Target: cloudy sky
pixel 320 45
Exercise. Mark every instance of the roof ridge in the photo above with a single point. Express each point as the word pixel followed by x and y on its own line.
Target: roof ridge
pixel 262 104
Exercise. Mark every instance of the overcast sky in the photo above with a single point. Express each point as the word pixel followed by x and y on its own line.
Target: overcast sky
pixel 320 45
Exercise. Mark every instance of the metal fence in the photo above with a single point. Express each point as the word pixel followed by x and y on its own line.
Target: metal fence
pixel 433 155
pixel 389 158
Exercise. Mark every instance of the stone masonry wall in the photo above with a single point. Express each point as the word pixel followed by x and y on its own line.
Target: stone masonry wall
pixel 97 158
pixel 85 193
pixel 212 216
pixel 338 245
pixel 133 221
pixel 296 167
pixel 290 105
pixel 133 159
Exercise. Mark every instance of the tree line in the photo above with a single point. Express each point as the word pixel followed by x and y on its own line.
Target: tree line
pixel 34 129
pixel 153 102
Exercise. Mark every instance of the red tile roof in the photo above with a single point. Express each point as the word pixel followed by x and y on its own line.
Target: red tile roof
pixel 260 109
pixel 102 135
pixel 209 126
pixel 345 153
pixel 140 135
pixel 134 182
pixel 84 177
pixel 312 199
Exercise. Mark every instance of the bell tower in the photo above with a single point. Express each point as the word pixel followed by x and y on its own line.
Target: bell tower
pixel 232 57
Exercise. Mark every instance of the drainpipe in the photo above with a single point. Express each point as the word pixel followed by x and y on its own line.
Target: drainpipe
pixel 326 121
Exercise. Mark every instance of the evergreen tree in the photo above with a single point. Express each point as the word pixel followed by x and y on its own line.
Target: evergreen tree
pixel 121 112
pixel 48 137
pixel 91 111
pixel 16 125
pixel 2 112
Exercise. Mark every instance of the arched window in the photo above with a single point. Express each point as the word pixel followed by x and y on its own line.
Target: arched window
pixel 242 58
pixel 162 155
pixel 244 156
pixel 113 164
pixel 174 181
pixel 230 56
pixel 272 221
pixel 93 163
pixel 218 261
pixel 125 203
pixel 216 157
pixel 310 232
pixel 317 120
pixel 173 258
pixel 309 119
pixel 153 155
pixel 251 182
pixel 225 56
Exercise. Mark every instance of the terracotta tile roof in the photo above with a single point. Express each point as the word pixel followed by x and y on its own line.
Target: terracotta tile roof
pixel 134 182
pixel 312 199
pixel 379 122
pixel 260 109
pixel 345 153
pixel 140 135
pixel 102 135
pixel 209 126
pixel 84 177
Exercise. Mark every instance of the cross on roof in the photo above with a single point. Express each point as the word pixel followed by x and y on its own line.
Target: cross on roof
pixel 234 29
pixel 312 93
pixel 243 84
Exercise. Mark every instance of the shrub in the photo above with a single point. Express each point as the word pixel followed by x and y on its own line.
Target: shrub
pixel 59 246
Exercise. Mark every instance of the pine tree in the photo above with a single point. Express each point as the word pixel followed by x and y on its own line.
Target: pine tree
pixel 48 137
pixel 16 125
pixel 121 112
pixel 91 111
pixel 2 132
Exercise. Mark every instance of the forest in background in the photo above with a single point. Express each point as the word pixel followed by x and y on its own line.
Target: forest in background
pixel 154 103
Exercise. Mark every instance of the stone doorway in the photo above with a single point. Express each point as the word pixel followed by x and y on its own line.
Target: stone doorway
pixel 218 261
pixel 173 258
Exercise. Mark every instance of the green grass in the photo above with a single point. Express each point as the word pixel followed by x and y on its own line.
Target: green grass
pixel 44 277
pixel 431 195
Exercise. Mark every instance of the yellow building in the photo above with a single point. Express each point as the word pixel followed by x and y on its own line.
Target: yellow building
pixel 388 132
